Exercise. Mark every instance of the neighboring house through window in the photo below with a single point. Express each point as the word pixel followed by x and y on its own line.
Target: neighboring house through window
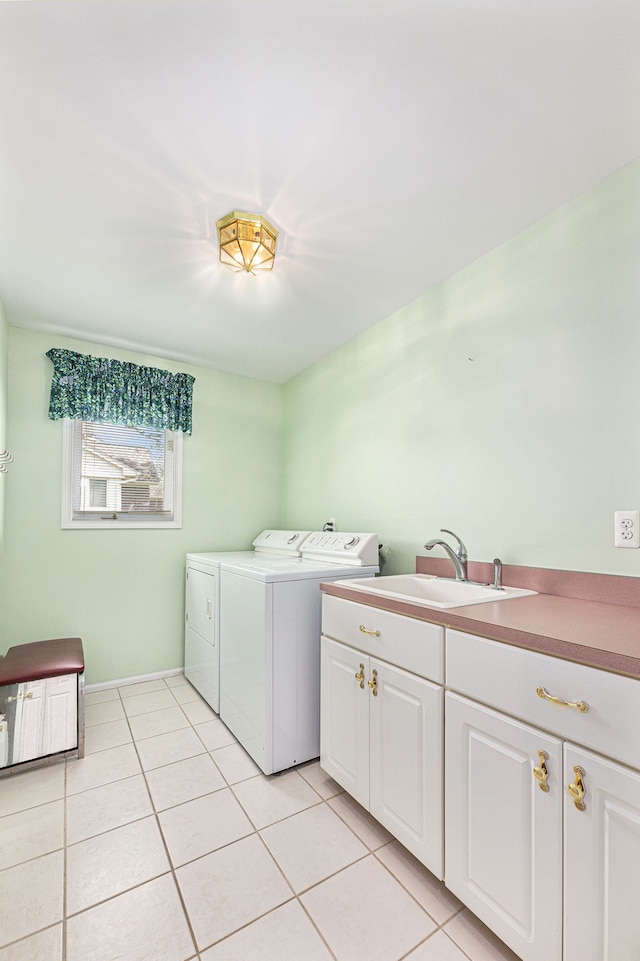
pixel 120 474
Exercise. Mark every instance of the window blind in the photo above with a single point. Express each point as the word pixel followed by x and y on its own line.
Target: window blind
pixel 122 472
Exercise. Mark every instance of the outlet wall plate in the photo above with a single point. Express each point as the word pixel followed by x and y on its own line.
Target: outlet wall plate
pixel 626 530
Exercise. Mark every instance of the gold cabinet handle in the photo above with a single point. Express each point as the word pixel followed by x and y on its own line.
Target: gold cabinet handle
pixel 581 706
pixel 576 789
pixel 540 771
pixel 360 676
pixel 373 683
pixel 24 697
pixel 366 630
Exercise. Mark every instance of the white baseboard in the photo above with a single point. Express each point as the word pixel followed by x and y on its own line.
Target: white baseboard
pixel 124 681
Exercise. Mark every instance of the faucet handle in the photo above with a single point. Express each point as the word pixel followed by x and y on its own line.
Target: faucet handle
pixel 462 550
pixel 497 574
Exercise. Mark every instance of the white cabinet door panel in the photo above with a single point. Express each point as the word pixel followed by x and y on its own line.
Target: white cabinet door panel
pixel 344 718
pixel 503 834
pixel 406 761
pixel 602 861
pixel 60 726
pixel 46 719
pixel 29 721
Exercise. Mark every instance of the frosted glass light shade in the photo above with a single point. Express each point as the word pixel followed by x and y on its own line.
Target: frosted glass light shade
pixel 247 241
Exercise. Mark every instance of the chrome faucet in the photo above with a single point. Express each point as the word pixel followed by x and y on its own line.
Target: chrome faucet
pixel 457 558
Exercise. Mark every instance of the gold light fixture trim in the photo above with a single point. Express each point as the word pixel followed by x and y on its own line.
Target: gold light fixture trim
pixel 247 242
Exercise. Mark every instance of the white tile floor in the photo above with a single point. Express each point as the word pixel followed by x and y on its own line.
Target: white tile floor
pixel 166 843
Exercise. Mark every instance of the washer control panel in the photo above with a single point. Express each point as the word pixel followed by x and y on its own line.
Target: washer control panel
pixel 341 547
pixel 280 542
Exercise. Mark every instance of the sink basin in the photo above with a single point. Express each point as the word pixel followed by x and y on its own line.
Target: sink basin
pixel 432 591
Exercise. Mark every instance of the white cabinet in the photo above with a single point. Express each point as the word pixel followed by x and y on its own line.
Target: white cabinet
pixel 405 722
pixel 28 729
pixel 601 860
pixel 381 725
pixel 344 717
pixel 541 775
pixel 201 654
pixel 503 838
pixel 555 873
pixel 60 727
pixel 45 717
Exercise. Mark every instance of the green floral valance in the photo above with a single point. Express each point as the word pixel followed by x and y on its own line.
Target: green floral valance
pixel 114 391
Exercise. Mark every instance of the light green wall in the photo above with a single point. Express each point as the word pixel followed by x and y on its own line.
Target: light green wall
pixel 122 591
pixel 505 404
pixel 4 358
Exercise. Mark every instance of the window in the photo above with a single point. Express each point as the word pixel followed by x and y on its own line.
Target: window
pixel 120 476
pixel 97 492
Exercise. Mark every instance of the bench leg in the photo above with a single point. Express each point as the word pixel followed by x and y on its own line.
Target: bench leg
pixel 81 715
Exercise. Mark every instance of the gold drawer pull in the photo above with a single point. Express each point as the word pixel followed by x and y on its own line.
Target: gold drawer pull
pixel 373 683
pixel 365 630
pixel 576 789
pixel 540 772
pixel 581 706
pixel 360 676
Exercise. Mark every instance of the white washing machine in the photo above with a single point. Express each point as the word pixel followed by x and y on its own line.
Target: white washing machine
pixel 270 626
pixel 202 606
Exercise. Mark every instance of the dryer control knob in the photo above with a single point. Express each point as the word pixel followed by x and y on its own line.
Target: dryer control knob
pixel 352 543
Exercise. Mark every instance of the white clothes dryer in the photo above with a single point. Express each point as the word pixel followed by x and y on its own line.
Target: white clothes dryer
pixel 202 606
pixel 270 626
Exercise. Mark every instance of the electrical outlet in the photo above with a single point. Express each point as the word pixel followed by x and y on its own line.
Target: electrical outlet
pixel 627 529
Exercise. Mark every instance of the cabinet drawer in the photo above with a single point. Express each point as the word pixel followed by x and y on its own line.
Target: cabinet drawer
pixel 414 645
pixel 507 678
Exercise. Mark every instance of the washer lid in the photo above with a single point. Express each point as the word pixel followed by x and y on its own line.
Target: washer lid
pixel 268 543
pixel 271 569
pixel 214 558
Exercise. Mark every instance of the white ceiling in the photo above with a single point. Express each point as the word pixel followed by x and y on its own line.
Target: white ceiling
pixel 391 143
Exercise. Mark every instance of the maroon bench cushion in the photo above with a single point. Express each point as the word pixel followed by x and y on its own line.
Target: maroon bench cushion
pixel 28 662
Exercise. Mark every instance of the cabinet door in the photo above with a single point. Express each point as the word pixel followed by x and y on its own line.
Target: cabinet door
pixel 602 860
pixel 406 725
pixel 29 721
pixel 344 718
pixel 503 834
pixel 60 727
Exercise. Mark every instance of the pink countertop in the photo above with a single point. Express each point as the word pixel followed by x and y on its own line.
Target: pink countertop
pixel 598 633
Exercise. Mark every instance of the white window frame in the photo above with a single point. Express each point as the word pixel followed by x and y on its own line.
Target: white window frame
pixel 69 519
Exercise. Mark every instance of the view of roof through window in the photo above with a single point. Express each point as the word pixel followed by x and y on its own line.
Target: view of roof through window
pixel 123 468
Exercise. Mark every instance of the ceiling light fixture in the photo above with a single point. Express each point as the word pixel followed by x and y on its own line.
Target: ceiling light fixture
pixel 247 242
